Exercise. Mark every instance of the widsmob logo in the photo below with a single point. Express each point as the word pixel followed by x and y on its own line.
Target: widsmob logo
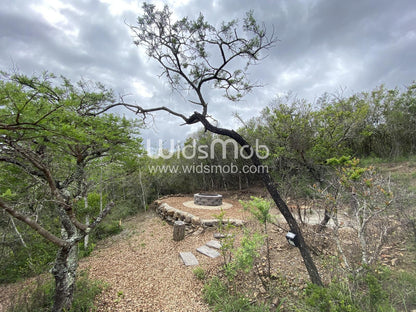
pixel 194 151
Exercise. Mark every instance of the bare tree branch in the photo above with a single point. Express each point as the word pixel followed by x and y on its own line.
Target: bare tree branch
pixel 34 225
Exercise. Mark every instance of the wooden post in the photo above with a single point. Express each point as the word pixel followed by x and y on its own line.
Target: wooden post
pixel 178 230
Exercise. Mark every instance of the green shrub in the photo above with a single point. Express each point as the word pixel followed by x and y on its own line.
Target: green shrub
pixel 107 228
pixel 216 295
pixel 400 288
pixel 85 252
pixel 39 297
pixel 375 290
pixel 333 298
pixel 20 262
pixel 214 291
pixel 199 273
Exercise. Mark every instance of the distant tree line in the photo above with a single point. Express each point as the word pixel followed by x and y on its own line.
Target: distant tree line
pixel 300 137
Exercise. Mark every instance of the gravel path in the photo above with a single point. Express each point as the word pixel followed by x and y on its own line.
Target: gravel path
pixel 142 267
pixel 144 271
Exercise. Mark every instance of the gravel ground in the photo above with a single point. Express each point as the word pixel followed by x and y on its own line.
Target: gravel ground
pixel 144 271
pixel 142 265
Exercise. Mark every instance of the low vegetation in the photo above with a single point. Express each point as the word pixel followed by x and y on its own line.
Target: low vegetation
pixel 38 296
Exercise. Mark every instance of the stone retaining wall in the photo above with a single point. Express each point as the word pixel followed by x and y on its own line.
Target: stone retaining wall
pixel 172 214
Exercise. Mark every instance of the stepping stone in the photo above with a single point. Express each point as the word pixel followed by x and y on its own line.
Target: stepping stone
pixel 214 244
pixel 207 251
pixel 188 258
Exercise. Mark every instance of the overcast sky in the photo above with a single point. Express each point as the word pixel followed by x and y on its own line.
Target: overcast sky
pixel 324 46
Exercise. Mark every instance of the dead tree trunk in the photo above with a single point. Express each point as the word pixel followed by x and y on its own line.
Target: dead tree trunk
pixel 178 230
pixel 271 188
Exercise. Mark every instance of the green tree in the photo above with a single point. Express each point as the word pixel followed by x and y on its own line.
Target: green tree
pixel 50 139
pixel 194 55
pixel 260 208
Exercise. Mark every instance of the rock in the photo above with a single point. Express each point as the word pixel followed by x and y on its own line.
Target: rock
pixel 188 217
pixel 198 231
pixel 170 211
pixel 188 258
pixel 237 222
pixel 214 244
pixel 195 220
pixel 207 251
pixel 210 222
pixel 219 235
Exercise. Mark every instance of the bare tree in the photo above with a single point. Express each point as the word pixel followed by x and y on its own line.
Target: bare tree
pixel 367 198
pixel 194 55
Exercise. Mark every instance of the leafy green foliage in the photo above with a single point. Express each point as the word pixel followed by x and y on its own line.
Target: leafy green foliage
pixel 199 273
pixel 53 143
pixel 19 262
pixel 39 297
pixel 216 294
pixel 260 208
pixel 376 290
pixel 227 243
pixel 247 253
pixel 331 299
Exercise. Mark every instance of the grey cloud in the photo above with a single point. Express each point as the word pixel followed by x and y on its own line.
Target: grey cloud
pixel 323 45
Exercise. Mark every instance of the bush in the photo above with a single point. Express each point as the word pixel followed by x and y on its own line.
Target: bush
pixel 400 289
pixel 334 298
pixel 216 295
pixel 19 262
pixel 39 297
pixel 199 273
pixel 107 228
pixel 379 290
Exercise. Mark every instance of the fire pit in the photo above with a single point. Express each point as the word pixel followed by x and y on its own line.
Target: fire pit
pixel 204 199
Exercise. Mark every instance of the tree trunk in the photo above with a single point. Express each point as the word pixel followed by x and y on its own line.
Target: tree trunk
pixel 294 227
pixel 271 188
pixel 87 222
pixel 64 272
pixel 325 220
pixel 178 231
pixel 87 237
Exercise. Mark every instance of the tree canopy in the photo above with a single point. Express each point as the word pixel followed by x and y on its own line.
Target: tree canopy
pixel 194 54
pixel 50 142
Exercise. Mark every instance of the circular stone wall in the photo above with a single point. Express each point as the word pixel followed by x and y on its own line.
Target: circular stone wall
pixel 203 199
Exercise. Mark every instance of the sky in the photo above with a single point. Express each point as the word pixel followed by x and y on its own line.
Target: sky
pixel 323 46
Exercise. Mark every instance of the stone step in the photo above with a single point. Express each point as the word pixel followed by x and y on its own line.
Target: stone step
pixel 207 251
pixel 214 244
pixel 188 258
